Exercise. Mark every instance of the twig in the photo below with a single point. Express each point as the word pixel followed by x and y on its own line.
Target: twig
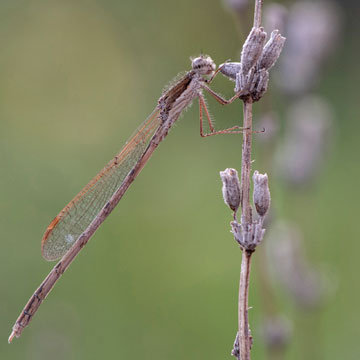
pixel 246 217
pixel 257 13
pixel 246 220
pixel 245 338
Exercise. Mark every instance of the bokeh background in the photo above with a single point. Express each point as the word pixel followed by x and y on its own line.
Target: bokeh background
pixel 159 279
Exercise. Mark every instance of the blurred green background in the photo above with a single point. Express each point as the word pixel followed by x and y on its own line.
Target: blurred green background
pixel 159 279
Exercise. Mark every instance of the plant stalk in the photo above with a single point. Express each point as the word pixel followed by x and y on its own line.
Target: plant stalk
pixel 246 220
pixel 257 13
pixel 246 216
pixel 244 329
pixel 245 339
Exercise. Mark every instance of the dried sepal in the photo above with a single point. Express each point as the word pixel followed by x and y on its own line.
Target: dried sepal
pixel 231 188
pixel 271 51
pixel 261 196
pixel 236 229
pixel 259 84
pixel 248 237
pixel 236 347
pixel 252 48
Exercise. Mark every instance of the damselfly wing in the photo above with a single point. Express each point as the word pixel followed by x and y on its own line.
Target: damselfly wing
pixel 76 216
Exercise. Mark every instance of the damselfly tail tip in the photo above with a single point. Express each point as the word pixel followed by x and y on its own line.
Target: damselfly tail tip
pixel 12 335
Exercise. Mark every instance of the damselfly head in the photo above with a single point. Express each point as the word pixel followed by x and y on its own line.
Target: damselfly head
pixel 203 65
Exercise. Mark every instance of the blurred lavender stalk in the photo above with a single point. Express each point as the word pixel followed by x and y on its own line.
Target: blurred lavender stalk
pixel 308 286
pixel 306 141
pixel 276 332
pixel 275 17
pixel 312 30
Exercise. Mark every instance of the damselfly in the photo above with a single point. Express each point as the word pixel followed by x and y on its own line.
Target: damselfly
pixel 76 223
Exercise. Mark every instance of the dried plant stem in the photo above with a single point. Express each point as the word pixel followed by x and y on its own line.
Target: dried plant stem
pixel 257 13
pixel 246 217
pixel 244 329
pixel 246 220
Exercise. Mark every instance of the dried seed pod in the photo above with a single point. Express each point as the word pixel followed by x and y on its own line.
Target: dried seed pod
pixel 231 188
pixel 261 196
pixel 271 51
pixel 252 48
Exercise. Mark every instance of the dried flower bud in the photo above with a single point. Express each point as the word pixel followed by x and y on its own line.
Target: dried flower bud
pixel 271 51
pixel 261 194
pixel 252 48
pixel 230 69
pixel 231 188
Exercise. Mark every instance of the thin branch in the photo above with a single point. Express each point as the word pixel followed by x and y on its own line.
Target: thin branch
pixel 245 339
pixel 246 164
pixel 257 13
pixel 246 220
